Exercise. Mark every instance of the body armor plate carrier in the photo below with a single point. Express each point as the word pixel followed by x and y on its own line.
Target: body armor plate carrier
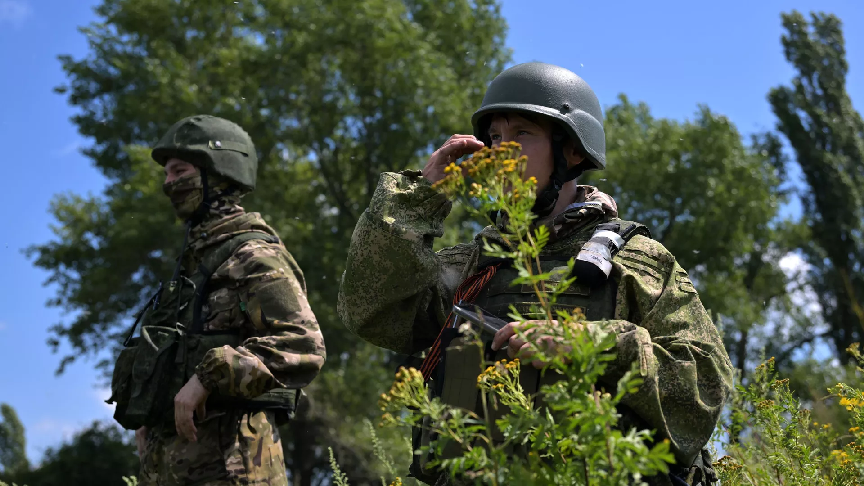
pixel 152 368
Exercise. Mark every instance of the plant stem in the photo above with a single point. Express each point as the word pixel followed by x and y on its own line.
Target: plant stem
pixel 488 421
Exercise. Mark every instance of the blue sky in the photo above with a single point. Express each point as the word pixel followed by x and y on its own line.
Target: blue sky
pixel 671 54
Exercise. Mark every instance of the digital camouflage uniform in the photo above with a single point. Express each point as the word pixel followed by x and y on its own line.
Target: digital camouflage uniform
pixel 397 292
pixel 257 293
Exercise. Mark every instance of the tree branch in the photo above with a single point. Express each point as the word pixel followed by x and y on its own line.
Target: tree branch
pixel 334 186
pixel 784 355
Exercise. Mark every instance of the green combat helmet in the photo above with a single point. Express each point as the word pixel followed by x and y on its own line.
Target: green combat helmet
pixel 558 93
pixel 214 144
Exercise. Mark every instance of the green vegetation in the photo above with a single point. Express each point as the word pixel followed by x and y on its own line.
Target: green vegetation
pixel 332 100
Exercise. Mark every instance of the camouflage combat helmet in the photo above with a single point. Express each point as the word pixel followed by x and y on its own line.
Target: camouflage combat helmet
pixel 214 144
pixel 549 90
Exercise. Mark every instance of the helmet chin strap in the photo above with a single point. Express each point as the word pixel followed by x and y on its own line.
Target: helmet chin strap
pixel 548 197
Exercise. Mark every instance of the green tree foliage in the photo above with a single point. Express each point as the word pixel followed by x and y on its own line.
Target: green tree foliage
pixel 827 134
pixel 13 444
pixel 93 455
pixel 712 200
pixel 332 93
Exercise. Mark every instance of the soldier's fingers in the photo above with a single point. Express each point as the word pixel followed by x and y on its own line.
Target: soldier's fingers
pixel 524 352
pixel 139 442
pixel 515 345
pixel 458 136
pixel 188 427
pixel 457 148
pixel 503 335
pixel 183 420
pixel 178 418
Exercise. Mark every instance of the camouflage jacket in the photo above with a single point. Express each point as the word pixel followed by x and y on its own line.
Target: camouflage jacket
pixel 281 344
pixel 396 293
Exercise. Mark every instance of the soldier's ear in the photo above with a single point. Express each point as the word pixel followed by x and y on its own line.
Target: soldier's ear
pixel 573 154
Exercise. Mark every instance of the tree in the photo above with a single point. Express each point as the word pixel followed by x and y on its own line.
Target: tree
pixel 712 200
pixel 827 134
pixel 99 454
pixel 332 93
pixel 13 444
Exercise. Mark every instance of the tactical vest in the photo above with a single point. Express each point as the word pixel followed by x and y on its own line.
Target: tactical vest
pixel 152 368
pixel 455 378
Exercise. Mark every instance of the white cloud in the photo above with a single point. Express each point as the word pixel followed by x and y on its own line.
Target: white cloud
pixel 14 11
pixel 68 149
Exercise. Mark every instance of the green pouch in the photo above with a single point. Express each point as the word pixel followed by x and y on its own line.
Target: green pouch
pixel 121 380
pixel 152 386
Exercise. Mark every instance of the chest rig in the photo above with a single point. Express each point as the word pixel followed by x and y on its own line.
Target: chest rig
pixel 454 378
pixel 593 294
pixel 153 367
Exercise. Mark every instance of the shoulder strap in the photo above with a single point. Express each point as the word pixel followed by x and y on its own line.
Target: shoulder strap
pixel 213 260
pixel 625 229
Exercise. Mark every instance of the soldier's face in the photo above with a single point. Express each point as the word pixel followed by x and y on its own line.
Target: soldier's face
pixel 176 168
pixel 535 136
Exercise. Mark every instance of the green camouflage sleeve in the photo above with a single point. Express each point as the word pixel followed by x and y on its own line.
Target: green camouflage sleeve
pixel 395 289
pixel 283 346
pixel 662 325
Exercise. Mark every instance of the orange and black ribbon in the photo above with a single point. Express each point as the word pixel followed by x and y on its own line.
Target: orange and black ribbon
pixel 466 293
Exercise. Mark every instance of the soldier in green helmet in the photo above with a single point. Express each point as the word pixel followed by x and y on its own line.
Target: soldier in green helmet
pixel 398 293
pixel 227 345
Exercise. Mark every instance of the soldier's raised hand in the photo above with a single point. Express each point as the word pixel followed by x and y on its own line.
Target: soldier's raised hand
pixel 455 147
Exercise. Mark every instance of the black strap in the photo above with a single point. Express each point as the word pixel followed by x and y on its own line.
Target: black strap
pixel 625 229
pixel 213 260
pixel 561 174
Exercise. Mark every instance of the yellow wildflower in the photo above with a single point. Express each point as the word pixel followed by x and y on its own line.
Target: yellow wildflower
pixel 764 404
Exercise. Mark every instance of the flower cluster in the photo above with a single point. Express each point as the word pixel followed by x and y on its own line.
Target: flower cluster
pixel 849 403
pixel 499 168
pixel 502 378
pixel 404 392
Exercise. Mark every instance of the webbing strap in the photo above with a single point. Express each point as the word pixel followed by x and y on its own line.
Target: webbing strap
pixel 213 260
pixel 466 293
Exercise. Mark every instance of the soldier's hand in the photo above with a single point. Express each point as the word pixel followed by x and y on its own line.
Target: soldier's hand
pixel 189 400
pixel 141 440
pixel 520 348
pixel 455 147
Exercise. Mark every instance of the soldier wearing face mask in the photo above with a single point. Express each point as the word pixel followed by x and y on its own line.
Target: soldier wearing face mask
pixel 226 346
